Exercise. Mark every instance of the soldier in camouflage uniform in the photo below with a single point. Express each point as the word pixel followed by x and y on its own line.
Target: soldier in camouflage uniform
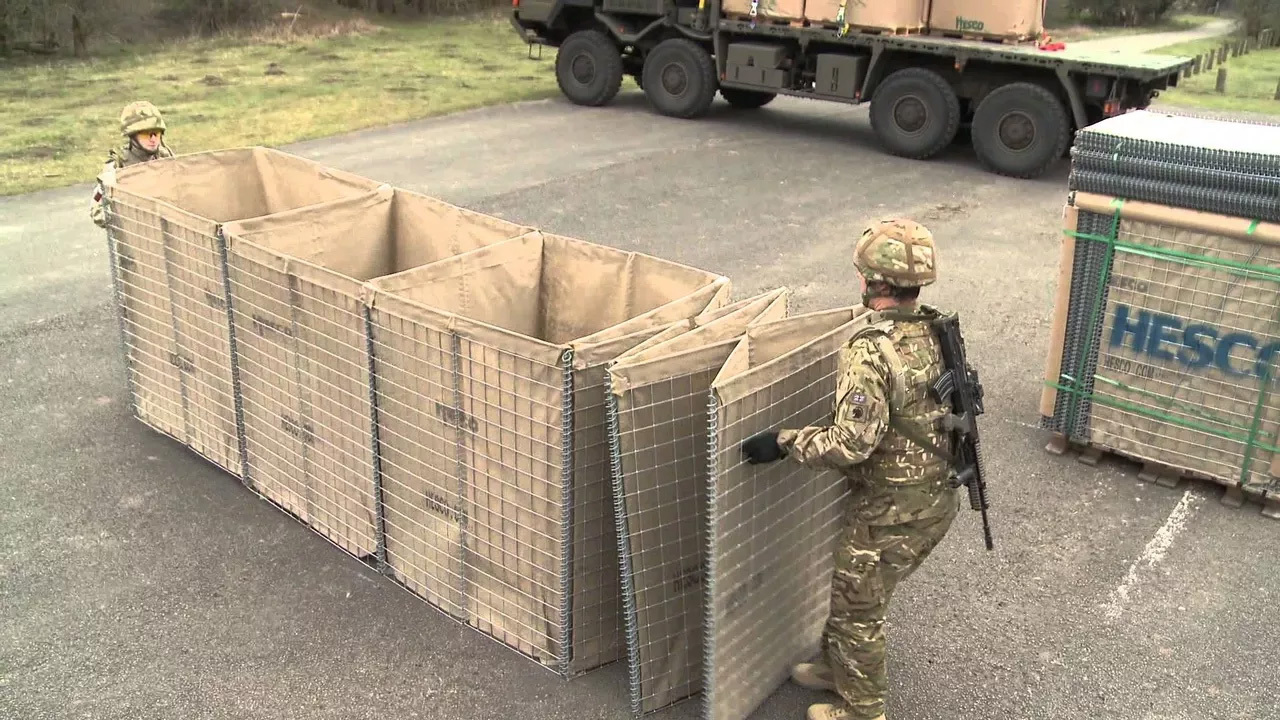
pixel 902 504
pixel 143 126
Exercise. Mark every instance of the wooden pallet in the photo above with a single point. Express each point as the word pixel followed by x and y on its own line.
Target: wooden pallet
pixel 865 29
pixel 762 20
pixel 1233 495
pixel 993 39
pixel 822 25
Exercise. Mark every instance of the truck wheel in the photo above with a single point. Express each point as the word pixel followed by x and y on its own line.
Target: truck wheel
pixel 1020 129
pixel 915 113
pixel 679 78
pixel 746 99
pixel 589 68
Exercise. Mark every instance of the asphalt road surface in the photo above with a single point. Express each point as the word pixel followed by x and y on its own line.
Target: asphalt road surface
pixel 138 581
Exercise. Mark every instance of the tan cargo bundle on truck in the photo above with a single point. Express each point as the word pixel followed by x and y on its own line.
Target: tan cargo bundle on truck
pixel 897 16
pixel 1007 19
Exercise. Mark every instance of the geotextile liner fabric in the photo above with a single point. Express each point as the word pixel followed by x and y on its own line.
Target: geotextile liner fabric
pixel 297 287
pixel 168 260
pixel 658 437
pixel 1216 166
pixel 497 356
pixel 771 529
pixel 1166 335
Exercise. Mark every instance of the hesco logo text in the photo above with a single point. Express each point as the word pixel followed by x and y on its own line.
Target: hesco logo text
pixel 1193 345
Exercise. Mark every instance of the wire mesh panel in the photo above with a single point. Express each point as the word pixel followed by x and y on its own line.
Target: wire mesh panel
pixel 771 528
pixel 1188 332
pixel 297 289
pixel 173 209
pixel 533 516
pixel 1082 286
pixel 421 431
pixel 146 311
pixel 597 620
pixel 657 427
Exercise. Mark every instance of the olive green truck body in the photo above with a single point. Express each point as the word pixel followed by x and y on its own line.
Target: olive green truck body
pixel 1020 103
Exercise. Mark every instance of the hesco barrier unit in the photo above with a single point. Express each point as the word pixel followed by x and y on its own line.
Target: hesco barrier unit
pixel 535 434
pixel 297 287
pixel 167 259
pixel 658 438
pixel 1166 327
pixel 489 368
pixel 771 529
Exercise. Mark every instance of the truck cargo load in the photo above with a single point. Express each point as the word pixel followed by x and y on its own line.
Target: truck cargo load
pixel 1009 19
pixel 890 15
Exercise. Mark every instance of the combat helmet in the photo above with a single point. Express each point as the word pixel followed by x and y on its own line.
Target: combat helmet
pixel 139 116
pixel 897 252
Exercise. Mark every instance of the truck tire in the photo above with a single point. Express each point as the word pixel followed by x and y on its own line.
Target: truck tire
pixel 1020 129
pixel 915 113
pixel 746 99
pixel 589 68
pixel 679 78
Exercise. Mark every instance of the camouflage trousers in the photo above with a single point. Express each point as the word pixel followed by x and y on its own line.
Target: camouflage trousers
pixel 870 561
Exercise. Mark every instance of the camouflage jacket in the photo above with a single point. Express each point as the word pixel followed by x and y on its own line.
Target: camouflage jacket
pixel 116 159
pixel 884 376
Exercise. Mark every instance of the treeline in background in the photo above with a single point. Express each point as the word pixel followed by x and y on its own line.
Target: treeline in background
pixel 75 27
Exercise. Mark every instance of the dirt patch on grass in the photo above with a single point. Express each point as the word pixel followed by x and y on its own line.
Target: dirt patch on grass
pixel 35 152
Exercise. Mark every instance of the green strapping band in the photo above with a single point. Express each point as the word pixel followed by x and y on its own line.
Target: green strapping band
pixel 1253 227
pixel 1168 402
pixel 1248 438
pixel 1186 258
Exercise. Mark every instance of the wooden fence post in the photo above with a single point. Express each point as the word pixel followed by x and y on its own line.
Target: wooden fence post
pixel 1222 81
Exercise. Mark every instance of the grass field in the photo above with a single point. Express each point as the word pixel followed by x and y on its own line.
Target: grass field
pixel 1251 81
pixel 277 87
pixel 61 118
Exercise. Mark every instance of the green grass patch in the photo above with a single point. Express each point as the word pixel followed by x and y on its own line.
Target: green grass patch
pixel 1251 81
pixel 1174 23
pixel 60 118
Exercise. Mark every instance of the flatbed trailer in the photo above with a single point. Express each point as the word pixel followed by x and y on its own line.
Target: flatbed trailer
pixel 1020 103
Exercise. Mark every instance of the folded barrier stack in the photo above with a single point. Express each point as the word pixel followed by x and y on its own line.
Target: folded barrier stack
pixel 1167 321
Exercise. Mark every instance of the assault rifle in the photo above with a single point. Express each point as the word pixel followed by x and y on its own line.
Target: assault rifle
pixel 958 386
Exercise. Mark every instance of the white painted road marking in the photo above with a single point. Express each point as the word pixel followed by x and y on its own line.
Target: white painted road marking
pixel 1155 550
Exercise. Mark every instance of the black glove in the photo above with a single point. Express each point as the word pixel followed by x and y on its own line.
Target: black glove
pixel 762 448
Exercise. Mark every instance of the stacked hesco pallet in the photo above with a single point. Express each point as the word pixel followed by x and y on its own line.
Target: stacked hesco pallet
pixel 1167 325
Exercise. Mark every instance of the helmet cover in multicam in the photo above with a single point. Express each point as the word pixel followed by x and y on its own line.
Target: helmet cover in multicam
pixel 139 116
pixel 897 252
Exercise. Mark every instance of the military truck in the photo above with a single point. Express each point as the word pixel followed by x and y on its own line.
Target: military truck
pixel 1020 104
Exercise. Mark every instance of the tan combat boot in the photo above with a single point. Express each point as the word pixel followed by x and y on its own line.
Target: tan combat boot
pixel 814 676
pixel 832 712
